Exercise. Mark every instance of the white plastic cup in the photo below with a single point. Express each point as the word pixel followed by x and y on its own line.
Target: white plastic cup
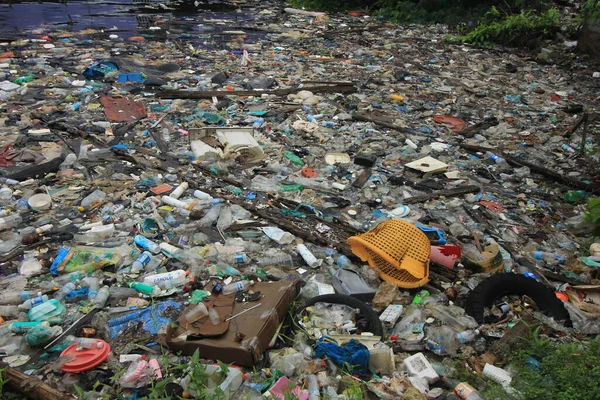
pixel 497 374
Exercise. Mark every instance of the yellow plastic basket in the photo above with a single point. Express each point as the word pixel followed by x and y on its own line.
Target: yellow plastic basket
pixel 398 249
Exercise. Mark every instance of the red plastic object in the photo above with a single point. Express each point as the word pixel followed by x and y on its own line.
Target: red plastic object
pixel 457 123
pixel 492 206
pixel 85 359
pixel 309 173
pixel 445 255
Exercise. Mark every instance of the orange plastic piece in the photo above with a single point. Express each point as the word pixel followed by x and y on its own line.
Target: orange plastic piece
pixel 398 249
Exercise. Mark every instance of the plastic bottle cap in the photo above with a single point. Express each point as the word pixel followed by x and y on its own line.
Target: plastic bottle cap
pixel 85 359
pixel 309 173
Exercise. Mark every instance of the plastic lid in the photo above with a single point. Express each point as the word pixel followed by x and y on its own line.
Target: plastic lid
pixel 85 359
pixel 309 173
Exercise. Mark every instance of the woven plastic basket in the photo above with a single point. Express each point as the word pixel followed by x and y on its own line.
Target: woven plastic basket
pixel 398 249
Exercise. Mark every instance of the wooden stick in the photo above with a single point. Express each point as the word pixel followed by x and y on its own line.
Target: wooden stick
pixel 380 121
pixel 556 176
pixel 32 387
pixel 209 94
pixel 446 193
pixel 579 122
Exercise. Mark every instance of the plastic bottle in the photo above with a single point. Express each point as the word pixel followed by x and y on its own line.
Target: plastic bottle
pixel 97 196
pixel 313 387
pixel 44 229
pixel 65 290
pixel 308 256
pixel 85 343
pixel 195 313
pixel 282 260
pixel 102 297
pixel 10 221
pixel 144 288
pixel 29 304
pixel 174 202
pixel 211 216
pixel 199 194
pixel 147 244
pixel 25 326
pixel 418 299
pixel 10 311
pixel 93 285
pixel 344 262
pixel 467 336
pixel 240 258
pixel 183 186
pixel 71 277
pixel 16 297
pixel 225 218
pixel 214 316
pixel 170 251
pixel 462 389
pixel 166 136
pixel 495 158
pixel 237 287
pixel 167 280
pixel 141 262
pixel 118 292
pixel 497 374
pixel 547 257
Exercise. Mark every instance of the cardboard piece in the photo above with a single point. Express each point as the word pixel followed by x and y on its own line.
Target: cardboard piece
pixel 428 165
pixel 247 335
pixel 586 298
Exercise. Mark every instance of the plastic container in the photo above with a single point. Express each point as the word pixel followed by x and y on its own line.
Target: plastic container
pixel 85 343
pixel 71 277
pixel 195 313
pixel 40 202
pixel 93 286
pixel 174 202
pixel 213 315
pixel 65 291
pixel 10 311
pixel 23 327
pixel 381 360
pixel 147 244
pixel 16 297
pixel 202 195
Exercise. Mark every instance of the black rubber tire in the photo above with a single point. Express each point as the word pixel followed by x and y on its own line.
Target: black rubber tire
pixel 499 285
pixel 374 323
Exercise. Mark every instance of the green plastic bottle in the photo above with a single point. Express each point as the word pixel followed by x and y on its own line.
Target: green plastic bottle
pixel 143 288
pixel 293 158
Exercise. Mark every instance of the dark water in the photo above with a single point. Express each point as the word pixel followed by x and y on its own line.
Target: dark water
pixel 129 17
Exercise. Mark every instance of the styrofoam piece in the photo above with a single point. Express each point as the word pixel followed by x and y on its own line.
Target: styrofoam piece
pixel 419 366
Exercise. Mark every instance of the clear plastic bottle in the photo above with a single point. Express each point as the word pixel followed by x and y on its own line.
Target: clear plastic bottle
pixel 93 286
pixel 313 387
pixel 102 297
pixel 495 158
pixel 211 216
pixel 118 292
pixel 93 198
pixel 225 218
pixel 282 260
pixel 202 195
pixel 344 262
pixel 10 221
pixel 195 313
pixel 10 311
pixel 85 343
pixel 214 316
pixel 237 287
pixel 71 277
pixel 467 336
pixel 65 290
pixel 16 297
pixel 550 258
pixel 29 304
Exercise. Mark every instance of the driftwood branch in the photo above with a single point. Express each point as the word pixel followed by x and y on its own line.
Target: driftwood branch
pixel 446 193
pixel 380 122
pixel 32 387
pixel 548 173
pixel 208 94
